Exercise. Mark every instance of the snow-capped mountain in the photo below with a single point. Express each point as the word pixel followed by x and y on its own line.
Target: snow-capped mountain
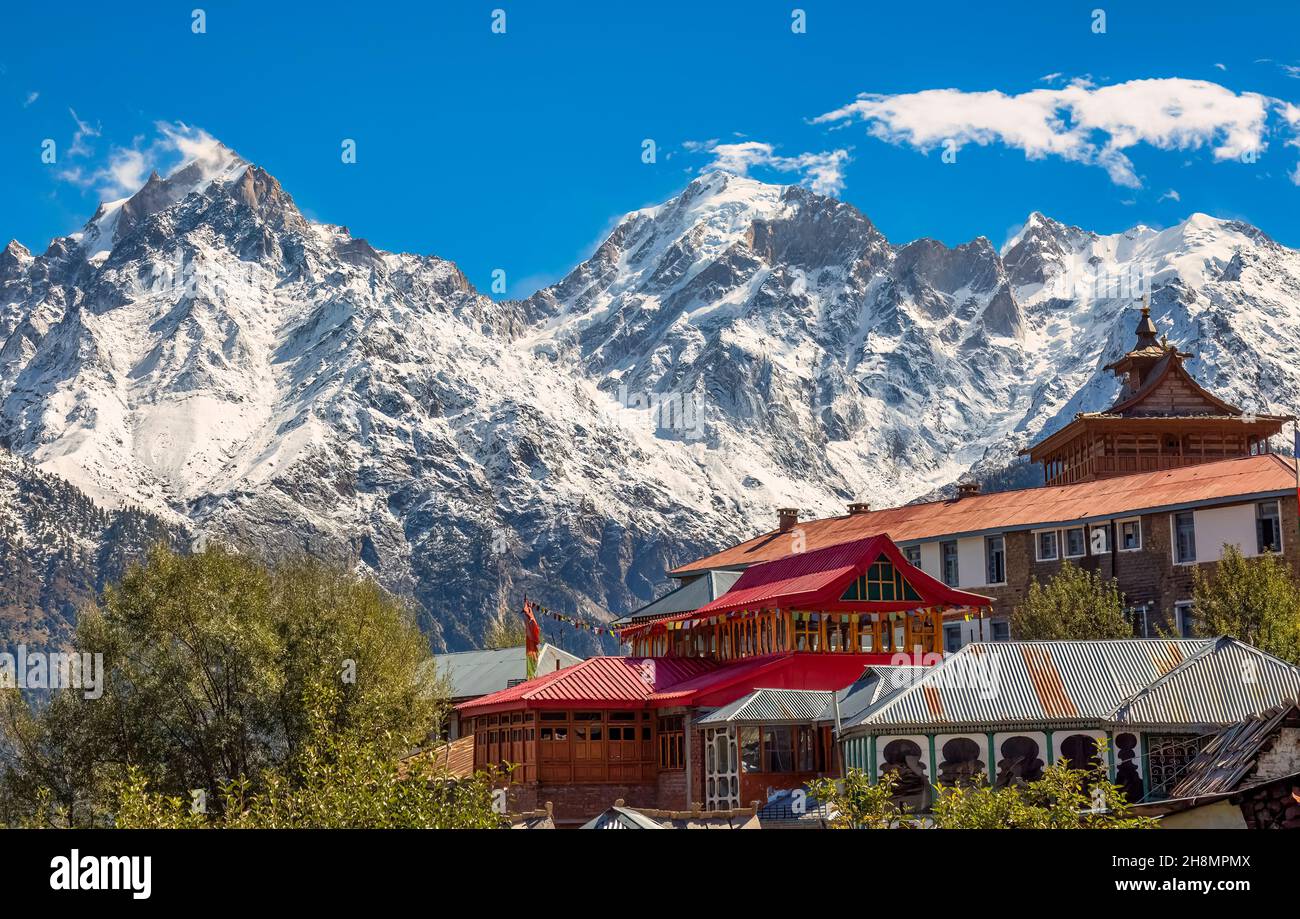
pixel 203 350
pixel 58 549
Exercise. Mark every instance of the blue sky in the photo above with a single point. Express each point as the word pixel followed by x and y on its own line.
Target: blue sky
pixel 520 150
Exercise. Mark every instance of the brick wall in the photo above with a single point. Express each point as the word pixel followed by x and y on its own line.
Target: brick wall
pixel 1148 575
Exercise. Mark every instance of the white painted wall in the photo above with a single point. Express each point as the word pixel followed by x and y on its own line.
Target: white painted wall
pixel 1218 525
pixel 970 561
pixel 931 560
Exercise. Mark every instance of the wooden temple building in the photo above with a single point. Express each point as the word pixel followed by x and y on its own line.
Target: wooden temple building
pixel 623 727
pixel 1163 419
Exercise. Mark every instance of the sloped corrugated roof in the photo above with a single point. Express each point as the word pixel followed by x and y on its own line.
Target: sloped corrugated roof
pixel 597 682
pixel 878 683
pixel 1031 682
pixel 1224 683
pixel 1026 508
pixel 691 595
pixel 1195 684
pixel 773 705
pixel 477 673
pixel 817 580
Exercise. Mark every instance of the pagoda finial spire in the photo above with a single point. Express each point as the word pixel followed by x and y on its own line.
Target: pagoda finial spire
pixel 1146 330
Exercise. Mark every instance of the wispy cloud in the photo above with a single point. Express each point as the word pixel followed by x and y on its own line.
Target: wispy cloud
pixel 126 169
pixel 85 132
pixel 31 97
pixel 822 172
pixel 1080 122
pixel 1171 195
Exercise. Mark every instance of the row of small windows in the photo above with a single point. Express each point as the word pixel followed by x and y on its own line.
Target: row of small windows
pixel 1080 541
pixel 995 561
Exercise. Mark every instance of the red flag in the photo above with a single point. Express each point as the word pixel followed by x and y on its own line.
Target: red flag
pixel 534 638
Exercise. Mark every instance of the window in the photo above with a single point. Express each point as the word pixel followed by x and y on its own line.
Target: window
pixel 1268 527
pixel 672 742
pixel 1045 545
pixel 778 749
pixel 1001 630
pixel 948 552
pixel 809 750
pixel 952 636
pixel 807 633
pixel 1185 618
pixel 1137 617
pixel 1130 535
pixel 1074 546
pixel 1099 540
pixel 995 553
pixel 1184 538
pixel 751 759
pixel 913 555
pixel 881 581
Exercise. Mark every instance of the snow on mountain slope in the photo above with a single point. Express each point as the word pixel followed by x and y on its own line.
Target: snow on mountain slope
pixel 203 350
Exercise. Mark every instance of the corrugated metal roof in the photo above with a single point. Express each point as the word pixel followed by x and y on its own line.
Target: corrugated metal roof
pixel 596 682
pixel 1226 759
pixel 817 580
pixel 621 818
pixel 691 595
pixel 1026 508
pixel 773 705
pixel 1031 682
pixel 878 683
pixel 1189 684
pixel 477 673
pixel 1223 684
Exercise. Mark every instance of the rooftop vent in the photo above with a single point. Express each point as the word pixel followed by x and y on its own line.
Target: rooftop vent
pixel 859 507
pixel 788 518
pixel 968 489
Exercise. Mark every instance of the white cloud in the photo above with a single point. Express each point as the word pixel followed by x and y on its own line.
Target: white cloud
pixel 822 172
pixel 1223 67
pixel 1171 195
pixel 128 168
pixel 79 146
pixel 31 97
pixel 1291 70
pixel 1079 122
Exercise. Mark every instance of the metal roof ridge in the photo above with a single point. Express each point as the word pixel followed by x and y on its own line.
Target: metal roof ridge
pixel 1211 646
pixel 904 691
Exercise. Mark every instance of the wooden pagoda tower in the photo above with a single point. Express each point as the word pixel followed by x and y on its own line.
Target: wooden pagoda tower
pixel 1162 419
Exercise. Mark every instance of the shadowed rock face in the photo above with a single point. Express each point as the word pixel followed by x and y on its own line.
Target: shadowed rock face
pixel 241 371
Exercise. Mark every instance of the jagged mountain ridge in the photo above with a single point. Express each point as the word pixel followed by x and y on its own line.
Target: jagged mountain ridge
pixel 299 389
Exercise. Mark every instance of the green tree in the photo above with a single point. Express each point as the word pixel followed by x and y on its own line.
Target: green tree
pixel 338 781
pixel 1074 604
pixel 1255 600
pixel 218 669
pixel 1063 799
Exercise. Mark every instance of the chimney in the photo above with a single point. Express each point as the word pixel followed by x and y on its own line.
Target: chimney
pixel 788 517
pixel 859 507
pixel 967 489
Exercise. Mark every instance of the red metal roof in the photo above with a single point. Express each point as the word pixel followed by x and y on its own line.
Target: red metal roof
pixel 788 670
pixel 599 682
pixel 817 580
pixel 1024 508
pixel 665 682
